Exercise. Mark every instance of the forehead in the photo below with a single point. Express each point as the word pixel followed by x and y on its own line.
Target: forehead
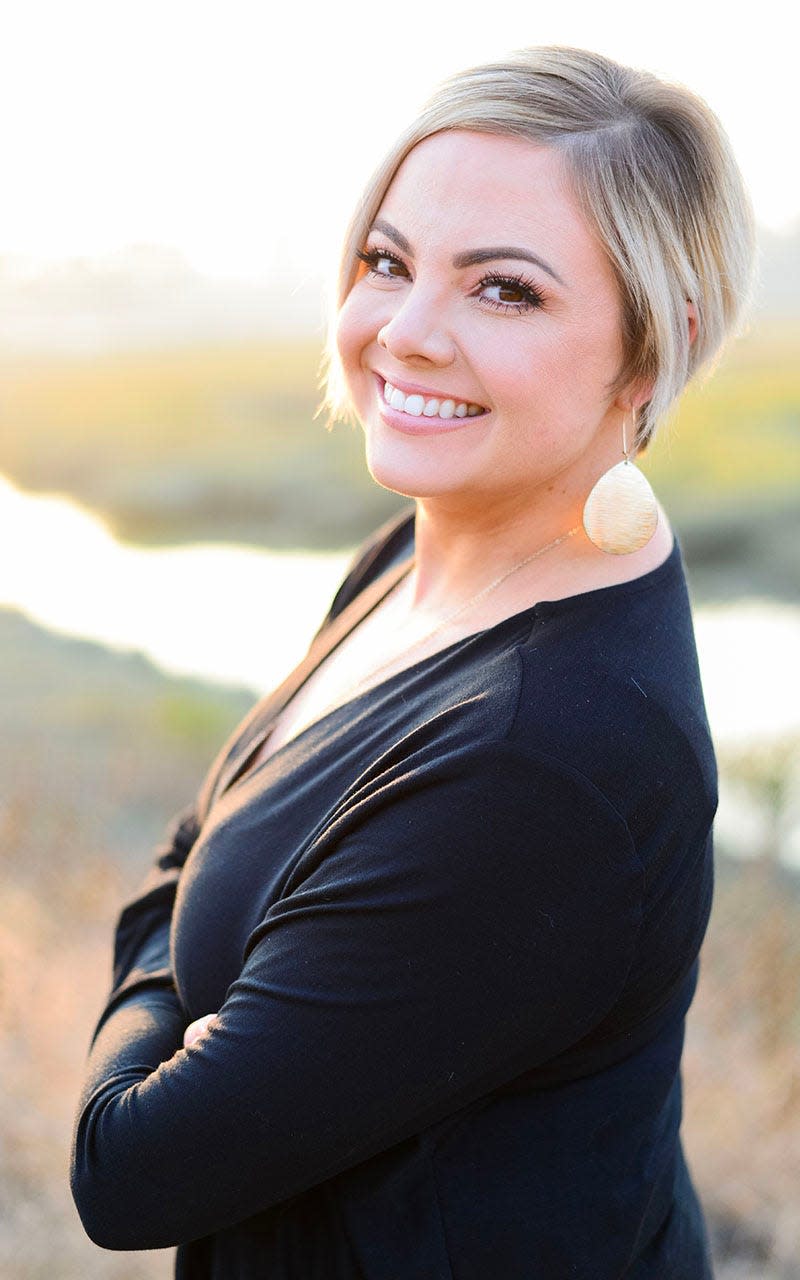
pixel 472 189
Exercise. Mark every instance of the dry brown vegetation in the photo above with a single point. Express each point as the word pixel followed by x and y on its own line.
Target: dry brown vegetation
pixel 742 1069
pixel 98 750
pixel 221 441
pixel 86 795
pixel 83 798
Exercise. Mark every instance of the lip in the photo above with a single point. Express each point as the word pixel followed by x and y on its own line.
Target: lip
pixel 413 426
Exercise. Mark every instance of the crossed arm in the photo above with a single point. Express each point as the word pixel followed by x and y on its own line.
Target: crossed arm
pixel 445 935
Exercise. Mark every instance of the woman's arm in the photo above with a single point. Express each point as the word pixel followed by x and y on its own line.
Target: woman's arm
pixel 142 978
pixel 141 949
pixel 451 929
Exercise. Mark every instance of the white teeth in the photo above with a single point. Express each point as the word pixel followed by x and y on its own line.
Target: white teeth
pixel 416 405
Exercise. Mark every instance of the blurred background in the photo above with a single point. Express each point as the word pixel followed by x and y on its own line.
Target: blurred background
pixel 176 182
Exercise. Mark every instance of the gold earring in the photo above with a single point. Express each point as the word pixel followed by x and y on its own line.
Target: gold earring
pixel 620 514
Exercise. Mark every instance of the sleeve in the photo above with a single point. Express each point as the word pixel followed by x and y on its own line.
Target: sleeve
pixel 453 926
pixel 143 993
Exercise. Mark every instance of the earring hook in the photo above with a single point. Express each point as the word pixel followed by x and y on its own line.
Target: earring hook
pixel 625 452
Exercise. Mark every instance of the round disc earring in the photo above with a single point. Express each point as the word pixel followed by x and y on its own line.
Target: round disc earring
pixel 620 514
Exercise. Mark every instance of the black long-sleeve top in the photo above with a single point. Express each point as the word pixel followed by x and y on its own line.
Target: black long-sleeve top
pixel 451 931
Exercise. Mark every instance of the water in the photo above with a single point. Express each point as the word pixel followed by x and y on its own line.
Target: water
pixel 201 610
pixel 204 610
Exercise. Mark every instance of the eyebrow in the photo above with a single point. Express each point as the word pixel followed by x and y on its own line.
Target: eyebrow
pixel 473 257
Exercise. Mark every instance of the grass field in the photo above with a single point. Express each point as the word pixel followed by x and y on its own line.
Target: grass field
pixel 222 442
pixel 99 750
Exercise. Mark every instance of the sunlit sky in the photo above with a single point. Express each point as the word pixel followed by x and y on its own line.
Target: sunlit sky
pixel 242 143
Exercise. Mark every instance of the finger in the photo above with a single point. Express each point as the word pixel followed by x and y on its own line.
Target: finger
pixel 196 1029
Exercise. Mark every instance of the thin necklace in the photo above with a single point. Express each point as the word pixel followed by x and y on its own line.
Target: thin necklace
pixel 440 626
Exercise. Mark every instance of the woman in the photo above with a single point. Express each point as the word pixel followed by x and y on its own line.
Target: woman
pixel 404 995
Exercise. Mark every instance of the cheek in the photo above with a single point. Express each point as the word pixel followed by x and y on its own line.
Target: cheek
pixel 596 344
pixel 356 328
pixel 566 369
pixel 532 376
pixel 552 388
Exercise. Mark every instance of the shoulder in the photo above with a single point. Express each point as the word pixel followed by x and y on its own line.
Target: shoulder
pixel 610 683
pixel 459 780
pixel 481 823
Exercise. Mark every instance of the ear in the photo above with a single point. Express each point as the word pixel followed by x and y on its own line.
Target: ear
pixel 691 313
pixel 634 396
pixel 641 392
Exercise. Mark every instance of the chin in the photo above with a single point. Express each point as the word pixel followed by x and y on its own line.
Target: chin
pixel 405 482
pixel 412 472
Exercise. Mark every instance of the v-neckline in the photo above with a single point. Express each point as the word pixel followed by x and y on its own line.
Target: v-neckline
pixel 321 647
pixel 368 598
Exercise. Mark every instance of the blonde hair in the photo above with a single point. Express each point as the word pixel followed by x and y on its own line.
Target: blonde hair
pixel 654 172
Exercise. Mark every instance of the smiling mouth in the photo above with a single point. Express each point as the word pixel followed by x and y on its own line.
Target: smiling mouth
pixel 419 406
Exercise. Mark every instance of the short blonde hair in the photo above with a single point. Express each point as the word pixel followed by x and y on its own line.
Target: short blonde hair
pixel 653 170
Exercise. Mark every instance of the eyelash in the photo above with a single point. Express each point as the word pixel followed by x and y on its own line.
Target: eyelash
pixel 533 297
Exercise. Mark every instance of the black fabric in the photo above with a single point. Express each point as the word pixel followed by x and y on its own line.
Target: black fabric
pixel 452 933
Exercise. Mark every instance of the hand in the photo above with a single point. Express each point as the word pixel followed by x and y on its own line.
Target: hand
pixel 197 1028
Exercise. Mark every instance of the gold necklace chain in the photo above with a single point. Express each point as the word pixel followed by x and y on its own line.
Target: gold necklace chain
pixel 440 626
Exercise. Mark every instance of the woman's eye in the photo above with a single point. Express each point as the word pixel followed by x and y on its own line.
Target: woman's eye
pixel 511 294
pixel 508 293
pixel 503 293
pixel 381 263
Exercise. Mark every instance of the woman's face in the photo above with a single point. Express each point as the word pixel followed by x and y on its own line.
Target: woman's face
pixel 484 286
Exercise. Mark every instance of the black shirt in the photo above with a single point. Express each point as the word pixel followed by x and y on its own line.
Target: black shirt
pixel 451 930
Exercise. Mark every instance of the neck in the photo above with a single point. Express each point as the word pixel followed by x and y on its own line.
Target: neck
pixel 458 552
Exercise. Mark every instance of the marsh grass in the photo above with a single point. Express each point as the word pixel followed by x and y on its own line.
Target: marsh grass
pixel 221 441
pixel 742 1066
pixel 84 797
pixel 101 751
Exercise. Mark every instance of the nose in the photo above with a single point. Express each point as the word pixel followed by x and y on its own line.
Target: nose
pixel 418 331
